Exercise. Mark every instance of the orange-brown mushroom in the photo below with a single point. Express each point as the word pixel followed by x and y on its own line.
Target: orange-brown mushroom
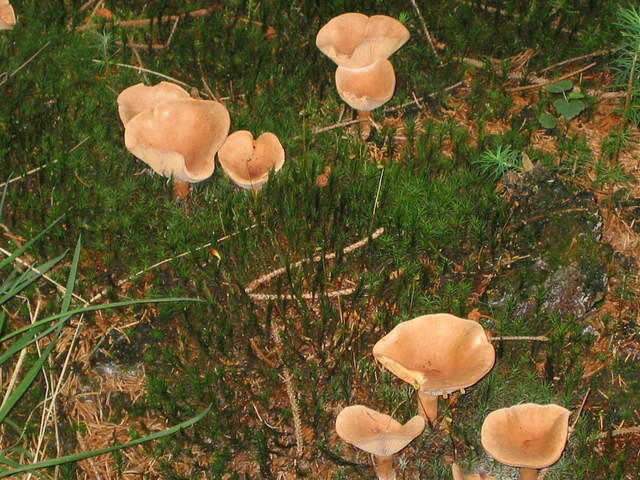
pixel 7 15
pixel 354 40
pixel 458 474
pixel 529 436
pixel 248 162
pixel 378 434
pixel 438 354
pixel 366 88
pixel 179 138
pixel 140 97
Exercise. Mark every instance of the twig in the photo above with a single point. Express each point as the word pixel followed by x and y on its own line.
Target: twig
pixel 597 53
pixel 60 288
pixel 579 412
pixel 527 221
pixel 293 399
pixel 41 167
pixel 547 82
pixel 415 101
pixel 30 172
pixel 306 296
pixel 540 338
pixel 146 70
pixel 375 202
pixel 618 432
pixel 5 77
pixel 146 21
pixel 318 258
pixel 119 283
pixel 425 29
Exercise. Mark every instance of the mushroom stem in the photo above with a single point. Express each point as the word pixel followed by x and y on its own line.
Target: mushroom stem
pixel 529 473
pixel 365 124
pixel 384 467
pixel 428 406
pixel 180 189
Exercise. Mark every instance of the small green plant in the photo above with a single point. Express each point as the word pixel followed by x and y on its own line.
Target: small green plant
pixel 627 62
pixel 496 163
pixel 568 107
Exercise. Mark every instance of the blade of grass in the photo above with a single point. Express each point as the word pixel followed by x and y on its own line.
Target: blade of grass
pixel 81 456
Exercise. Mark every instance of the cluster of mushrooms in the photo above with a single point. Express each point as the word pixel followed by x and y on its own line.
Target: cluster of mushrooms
pixel 361 46
pixel 179 136
pixel 439 354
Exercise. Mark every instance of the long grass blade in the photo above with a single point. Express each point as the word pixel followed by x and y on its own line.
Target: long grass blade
pixel 8 260
pixel 81 456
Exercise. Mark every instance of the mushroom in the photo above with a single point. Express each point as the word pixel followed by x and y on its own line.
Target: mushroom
pixel 247 162
pixel 528 436
pixel 458 474
pixel 354 40
pixel 438 354
pixel 7 15
pixel 378 434
pixel 140 97
pixel 179 138
pixel 366 88
pixel 361 45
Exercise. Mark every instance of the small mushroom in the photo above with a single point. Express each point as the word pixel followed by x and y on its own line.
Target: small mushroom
pixel 354 40
pixel 140 97
pixel 458 474
pixel 528 436
pixel 7 15
pixel 179 138
pixel 378 434
pixel 367 88
pixel 438 354
pixel 247 162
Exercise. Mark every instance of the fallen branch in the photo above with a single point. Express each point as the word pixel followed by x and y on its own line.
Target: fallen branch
pixel 425 29
pixel 306 296
pixel 618 432
pixel 597 53
pixel 539 338
pixel 119 283
pixel 548 82
pixel 146 21
pixel 318 258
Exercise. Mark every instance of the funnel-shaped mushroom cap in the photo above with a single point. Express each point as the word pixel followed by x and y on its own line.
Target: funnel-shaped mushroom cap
pixel 375 432
pixel 366 88
pixel 437 353
pixel 7 15
pixel 354 40
pixel 140 97
pixel 527 435
pixel 247 162
pixel 179 138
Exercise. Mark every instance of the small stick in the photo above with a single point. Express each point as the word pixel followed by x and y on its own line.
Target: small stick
pixel 425 29
pixel 415 101
pixel 30 172
pixel 540 338
pixel 582 404
pixel 618 432
pixel 119 283
pixel 146 21
pixel 527 221
pixel 547 82
pixel 318 258
pixel 146 70
pixel 139 60
pixel 6 77
pixel 306 296
pixel 597 53
pixel 60 288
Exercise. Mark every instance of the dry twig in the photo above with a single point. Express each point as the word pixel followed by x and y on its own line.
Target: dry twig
pixel 547 82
